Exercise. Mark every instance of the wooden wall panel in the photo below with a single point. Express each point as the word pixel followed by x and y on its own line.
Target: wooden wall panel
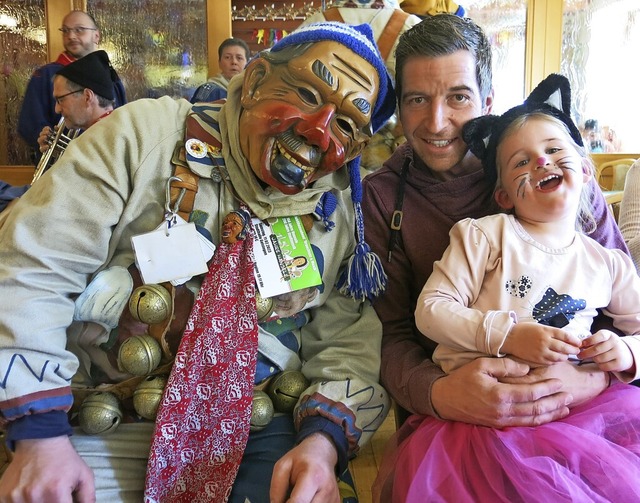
pixel 261 24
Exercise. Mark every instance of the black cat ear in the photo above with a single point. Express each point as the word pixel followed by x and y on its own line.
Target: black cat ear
pixel 554 91
pixel 477 134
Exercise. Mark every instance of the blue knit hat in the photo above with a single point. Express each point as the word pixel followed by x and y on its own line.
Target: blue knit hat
pixel 360 40
pixel 364 277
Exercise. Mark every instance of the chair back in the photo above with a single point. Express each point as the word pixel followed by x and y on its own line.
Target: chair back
pixel 611 174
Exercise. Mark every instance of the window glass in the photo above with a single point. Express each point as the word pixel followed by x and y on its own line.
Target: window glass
pixel 23 48
pixel 600 47
pixel 504 22
pixel 158 47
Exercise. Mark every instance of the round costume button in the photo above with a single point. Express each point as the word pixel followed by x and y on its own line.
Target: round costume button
pixel 196 148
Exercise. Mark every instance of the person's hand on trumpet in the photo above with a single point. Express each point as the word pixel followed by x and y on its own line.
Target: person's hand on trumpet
pixel 44 138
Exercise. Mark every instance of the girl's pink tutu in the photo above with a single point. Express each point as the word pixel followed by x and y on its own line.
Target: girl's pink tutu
pixel 593 455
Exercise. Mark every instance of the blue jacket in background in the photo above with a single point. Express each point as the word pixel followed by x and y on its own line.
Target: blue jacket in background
pixel 208 92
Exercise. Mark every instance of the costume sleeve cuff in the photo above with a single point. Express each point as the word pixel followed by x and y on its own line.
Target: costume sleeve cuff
pixel 319 424
pixel 45 425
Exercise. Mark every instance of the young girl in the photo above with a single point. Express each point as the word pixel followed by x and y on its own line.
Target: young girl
pixel 526 285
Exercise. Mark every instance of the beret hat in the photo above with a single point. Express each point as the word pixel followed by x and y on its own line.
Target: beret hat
pixel 93 71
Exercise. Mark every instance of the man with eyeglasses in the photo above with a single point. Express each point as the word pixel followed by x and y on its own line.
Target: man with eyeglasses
pixel 80 36
pixel 83 93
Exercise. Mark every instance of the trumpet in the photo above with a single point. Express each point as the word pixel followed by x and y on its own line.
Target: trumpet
pixel 58 142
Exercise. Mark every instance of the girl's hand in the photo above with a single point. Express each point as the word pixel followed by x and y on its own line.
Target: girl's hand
pixel 541 344
pixel 609 351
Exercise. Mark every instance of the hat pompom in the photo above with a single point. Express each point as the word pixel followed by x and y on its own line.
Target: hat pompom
pixel 364 277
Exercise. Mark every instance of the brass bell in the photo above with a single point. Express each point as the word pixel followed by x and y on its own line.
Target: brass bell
pixel 147 396
pixel 100 413
pixel 139 355
pixel 285 389
pixel 264 307
pixel 261 411
pixel 150 304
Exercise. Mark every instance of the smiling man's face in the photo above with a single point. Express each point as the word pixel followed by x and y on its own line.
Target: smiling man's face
pixel 307 118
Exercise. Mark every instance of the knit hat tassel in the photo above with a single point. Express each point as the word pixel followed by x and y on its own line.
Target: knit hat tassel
pixel 364 276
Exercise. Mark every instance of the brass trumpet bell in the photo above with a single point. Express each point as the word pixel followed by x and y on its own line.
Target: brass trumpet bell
pixel 58 143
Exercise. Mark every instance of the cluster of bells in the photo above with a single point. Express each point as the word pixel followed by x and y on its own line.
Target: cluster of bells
pixel 140 355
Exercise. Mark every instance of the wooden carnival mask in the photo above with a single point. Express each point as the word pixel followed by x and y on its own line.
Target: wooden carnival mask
pixel 307 110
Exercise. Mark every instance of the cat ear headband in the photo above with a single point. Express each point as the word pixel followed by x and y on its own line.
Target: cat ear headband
pixel 552 96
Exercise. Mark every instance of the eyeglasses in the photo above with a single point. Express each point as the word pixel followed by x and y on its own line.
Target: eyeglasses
pixel 78 30
pixel 60 98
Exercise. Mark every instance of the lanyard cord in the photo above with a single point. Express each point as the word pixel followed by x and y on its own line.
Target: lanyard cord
pixel 396 217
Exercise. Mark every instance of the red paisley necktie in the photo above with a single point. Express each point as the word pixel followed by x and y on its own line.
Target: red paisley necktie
pixel 203 420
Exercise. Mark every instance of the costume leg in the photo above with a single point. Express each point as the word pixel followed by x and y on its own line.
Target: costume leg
pixel 264 448
pixel 118 461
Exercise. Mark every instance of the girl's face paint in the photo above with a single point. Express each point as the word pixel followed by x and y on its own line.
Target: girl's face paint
pixel 525 180
pixel 540 171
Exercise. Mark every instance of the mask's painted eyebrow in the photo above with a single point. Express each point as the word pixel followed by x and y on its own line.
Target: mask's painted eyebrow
pixel 363 105
pixel 321 71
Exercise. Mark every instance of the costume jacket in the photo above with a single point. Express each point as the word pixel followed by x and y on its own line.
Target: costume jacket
pixel 109 186
pixel 494 275
pixel 39 108
pixel 213 90
pixel 430 209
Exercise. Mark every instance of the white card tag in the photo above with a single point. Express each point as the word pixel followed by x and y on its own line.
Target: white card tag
pixel 208 248
pixel 169 254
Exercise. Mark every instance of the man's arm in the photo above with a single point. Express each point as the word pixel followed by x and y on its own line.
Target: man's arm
pixel 474 394
pixel 344 403
pixel 407 371
pixel 310 469
pixel 57 236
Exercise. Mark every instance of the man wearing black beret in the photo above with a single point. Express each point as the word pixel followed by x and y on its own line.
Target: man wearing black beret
pixel 83 92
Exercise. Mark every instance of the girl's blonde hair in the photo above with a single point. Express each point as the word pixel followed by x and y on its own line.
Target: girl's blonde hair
pixel 585 220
